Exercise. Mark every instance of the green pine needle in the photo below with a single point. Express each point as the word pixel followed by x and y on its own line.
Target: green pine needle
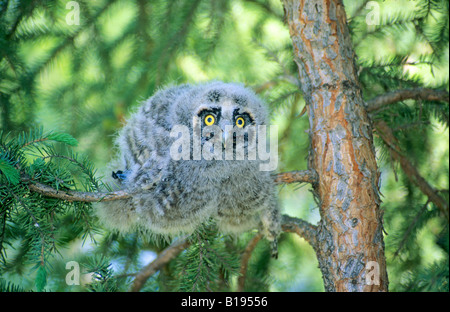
pixel 8 171
pixel 41 279
pixel 63 138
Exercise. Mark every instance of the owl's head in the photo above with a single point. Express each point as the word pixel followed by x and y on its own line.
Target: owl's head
pixel 228 106
pixel 226 102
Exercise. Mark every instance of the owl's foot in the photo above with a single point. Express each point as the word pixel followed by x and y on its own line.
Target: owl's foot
pixel 274 248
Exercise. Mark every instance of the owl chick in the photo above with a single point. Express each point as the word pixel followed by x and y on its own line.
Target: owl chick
pixel 214 179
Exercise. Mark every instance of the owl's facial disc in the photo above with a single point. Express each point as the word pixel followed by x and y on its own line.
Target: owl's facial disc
pixel 228 117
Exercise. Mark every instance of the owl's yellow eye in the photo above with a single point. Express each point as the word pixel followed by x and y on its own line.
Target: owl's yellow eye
pixel 240 122
pixel 209 120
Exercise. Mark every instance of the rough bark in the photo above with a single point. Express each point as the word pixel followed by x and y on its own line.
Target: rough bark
pixel 349 241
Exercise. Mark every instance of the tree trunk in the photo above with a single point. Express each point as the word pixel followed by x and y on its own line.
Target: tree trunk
pixel 349 247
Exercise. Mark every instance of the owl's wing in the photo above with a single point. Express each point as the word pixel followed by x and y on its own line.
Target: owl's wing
pixel 145 141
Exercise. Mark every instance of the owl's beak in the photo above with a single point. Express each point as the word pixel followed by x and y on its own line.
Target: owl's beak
pixel 225 136
pixel 227 133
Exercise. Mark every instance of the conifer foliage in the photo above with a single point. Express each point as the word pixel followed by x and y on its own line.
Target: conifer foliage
pixel 71 72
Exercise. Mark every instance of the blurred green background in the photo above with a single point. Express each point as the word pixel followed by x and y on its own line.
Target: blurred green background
pixel 86 79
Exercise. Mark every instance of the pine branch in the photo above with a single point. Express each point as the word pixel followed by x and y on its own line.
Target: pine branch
pixel 74 196
pixel 163 258
pixel 410 228
pixel 288 131
pixel 245 259
pixel 410 170
pixel 301 227
pixel 267 8
pixel 289 224
pixel 6 287
pixel 306 176
pixel 177 39
pixel 386 99
pixel 358 11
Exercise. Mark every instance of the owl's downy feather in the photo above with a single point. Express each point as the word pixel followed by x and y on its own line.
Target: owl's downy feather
pixel 176 196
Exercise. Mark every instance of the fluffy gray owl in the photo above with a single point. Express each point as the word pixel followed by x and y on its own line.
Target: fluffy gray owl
pixel 174 195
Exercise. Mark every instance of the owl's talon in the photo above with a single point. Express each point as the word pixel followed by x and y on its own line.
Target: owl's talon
pixel 274 249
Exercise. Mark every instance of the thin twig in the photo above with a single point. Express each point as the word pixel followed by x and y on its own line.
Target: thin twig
pixel 307 176
pixel 163 258
pixel 411 226
pixel 34 141
pixel 358 11
pixel 245 259
pixel 386 134
pixel 425 94
pixel 36 225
